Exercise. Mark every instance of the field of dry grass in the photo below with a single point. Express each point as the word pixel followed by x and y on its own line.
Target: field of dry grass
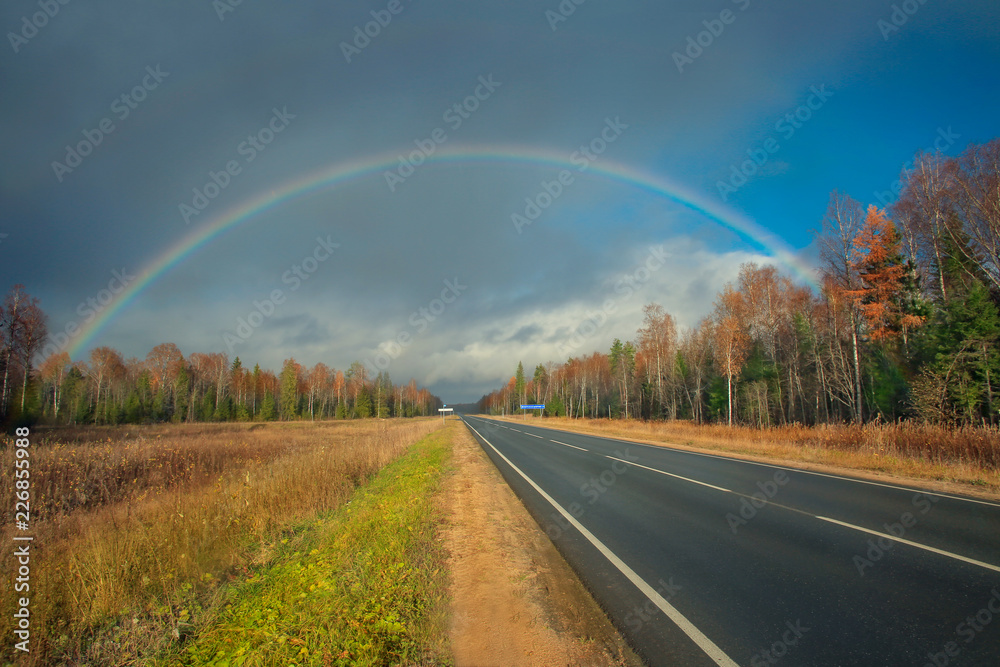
pixel 135 528
pixel 967 457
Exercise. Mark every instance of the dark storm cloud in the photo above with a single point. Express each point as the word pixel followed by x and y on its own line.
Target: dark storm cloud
pixel 200 88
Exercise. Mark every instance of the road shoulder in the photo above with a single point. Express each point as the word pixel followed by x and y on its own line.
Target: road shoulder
pixel 514 600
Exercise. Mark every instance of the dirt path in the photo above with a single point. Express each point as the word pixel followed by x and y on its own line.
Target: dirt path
pixel 515 601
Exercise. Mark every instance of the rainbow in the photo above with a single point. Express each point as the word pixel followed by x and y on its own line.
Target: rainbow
pixel 343 172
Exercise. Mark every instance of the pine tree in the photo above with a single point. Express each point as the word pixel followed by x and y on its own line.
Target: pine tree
pixel 519 383
pixel 268 411
pixel 539 379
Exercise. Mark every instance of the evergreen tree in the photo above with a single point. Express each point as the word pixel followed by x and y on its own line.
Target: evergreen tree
pixel 241 413
pixel 519 383
pixel 539 378
pixel 363 406
pixel 268 410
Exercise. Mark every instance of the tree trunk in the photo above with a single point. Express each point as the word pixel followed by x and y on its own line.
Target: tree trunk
pixel 729 386
pixel 858 414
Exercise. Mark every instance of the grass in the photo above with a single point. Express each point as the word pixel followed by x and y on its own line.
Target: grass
pixel 968 456
pixel 361 586
pixel 137 530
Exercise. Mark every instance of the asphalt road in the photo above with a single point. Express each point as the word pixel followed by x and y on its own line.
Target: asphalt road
pixel 702 559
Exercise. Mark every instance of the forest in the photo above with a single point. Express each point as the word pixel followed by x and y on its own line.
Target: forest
pixel 166 386
pixel 904 325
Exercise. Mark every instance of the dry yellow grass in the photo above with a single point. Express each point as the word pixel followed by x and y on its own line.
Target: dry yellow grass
pixel 136 527
pixel 967 457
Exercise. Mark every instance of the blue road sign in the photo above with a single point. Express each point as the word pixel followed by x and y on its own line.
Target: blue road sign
pixel 532 407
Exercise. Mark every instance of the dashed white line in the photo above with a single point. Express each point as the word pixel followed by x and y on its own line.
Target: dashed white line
pixel 569 445
pixel 844 524
pixel 941 552
pixel 686 479
pixel 925 547
pixel 667 446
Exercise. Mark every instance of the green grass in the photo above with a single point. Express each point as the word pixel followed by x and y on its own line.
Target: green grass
pixel 363 585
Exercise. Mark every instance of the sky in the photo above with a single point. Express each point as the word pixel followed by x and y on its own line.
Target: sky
pixel 442 189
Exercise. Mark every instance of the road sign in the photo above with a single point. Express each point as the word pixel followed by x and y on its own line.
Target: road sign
pixel 444 410
pixel 532 407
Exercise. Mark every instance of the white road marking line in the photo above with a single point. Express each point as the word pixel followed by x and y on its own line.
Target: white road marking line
pixel 918 545
pixel 912 544
pixel 569 445
pixel 696 635
pixel 669 447
pixel 534 436
pixel 686 479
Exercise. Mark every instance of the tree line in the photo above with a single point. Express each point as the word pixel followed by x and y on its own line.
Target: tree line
pixel 905 324
pixel 167 386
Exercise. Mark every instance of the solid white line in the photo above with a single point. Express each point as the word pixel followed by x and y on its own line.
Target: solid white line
pixel 696 635
pixel 925 547
pixel 686 479
pixel 668 446
pixel 569 445
pixel 913 544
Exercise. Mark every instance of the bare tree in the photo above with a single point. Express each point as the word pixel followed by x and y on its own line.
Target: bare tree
pixel 841 225
pixel 731 340
pixel 975 193
pixel 105 364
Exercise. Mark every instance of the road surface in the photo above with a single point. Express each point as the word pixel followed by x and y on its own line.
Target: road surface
pixel 702 559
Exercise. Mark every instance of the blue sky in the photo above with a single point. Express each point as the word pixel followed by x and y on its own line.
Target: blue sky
pixel 210 79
